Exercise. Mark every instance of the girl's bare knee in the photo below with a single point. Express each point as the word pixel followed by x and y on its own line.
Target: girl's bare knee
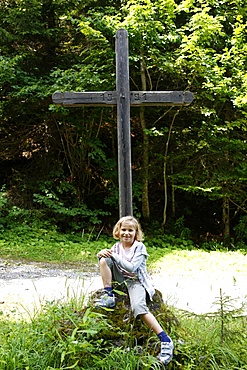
pixel 102 261
pixel 105 262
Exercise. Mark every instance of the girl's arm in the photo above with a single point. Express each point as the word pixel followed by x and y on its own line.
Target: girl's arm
pixel 129 266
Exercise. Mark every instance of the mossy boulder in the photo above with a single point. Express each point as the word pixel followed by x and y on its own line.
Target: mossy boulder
pixel 93 332
pixel 125 330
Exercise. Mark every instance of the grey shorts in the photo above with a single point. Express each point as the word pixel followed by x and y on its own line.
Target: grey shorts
pixel 137 292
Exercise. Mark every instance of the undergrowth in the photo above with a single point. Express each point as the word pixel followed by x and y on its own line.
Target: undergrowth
pixel 48 245
pixel 40 243
pixel 62 337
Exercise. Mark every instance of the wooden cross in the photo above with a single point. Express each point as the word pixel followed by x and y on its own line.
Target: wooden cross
pixel 123 98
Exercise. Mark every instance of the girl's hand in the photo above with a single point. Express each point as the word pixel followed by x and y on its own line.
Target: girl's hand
pixel 104 253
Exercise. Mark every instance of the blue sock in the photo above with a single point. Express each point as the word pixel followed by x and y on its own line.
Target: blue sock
pixel 109 290
pixel 163 337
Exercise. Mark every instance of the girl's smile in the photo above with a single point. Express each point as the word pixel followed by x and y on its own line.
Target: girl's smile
pixel 127 234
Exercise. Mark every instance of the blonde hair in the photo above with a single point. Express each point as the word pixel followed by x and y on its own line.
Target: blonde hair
pixel 137 226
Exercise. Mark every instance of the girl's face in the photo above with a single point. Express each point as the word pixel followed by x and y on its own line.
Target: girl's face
pixel 127 233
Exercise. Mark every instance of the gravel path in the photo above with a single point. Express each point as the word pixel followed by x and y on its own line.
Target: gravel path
pixel 25 288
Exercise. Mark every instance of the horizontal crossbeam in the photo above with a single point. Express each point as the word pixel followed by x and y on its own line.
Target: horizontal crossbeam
pixel 137 98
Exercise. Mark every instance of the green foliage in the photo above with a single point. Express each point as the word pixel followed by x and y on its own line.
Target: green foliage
pixel 130 359
pixel 241 230
pixel 209 339
pixel 70 46
pixel 3 200
pixel 11 215
pixel 212 245
pixel 61 338
pixel 37 242
pixel 169 242
pixel 55 208
pixel 225 312
pixel 67 217
pixel 58 338
pixel 179 239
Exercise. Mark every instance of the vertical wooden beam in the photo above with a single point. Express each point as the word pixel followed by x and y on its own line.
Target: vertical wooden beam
pixel 123 123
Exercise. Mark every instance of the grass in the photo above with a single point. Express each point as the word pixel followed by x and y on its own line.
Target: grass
pixel 45 245
pixel 205 348
pixel 234 262
pixel 203 342
pixel 61 337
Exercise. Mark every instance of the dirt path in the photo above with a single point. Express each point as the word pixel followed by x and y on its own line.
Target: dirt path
pixel 25 288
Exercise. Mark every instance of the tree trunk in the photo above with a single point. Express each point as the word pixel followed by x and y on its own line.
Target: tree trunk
pixel 165 169
pixel 145 151
pixel 226 222
pixel 173 195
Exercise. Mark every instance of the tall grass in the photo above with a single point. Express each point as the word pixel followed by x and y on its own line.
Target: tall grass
pixel 71 336
pixel 62 337
pixel 203 348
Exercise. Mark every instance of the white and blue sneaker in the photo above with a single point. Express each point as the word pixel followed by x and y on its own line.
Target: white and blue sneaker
pixel 106 301
pixel 166 352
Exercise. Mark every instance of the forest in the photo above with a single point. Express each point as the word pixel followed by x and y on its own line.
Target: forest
pixel 189 164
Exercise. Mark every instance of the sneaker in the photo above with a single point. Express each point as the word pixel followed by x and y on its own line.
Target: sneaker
pixel 166 352
pixel 106 301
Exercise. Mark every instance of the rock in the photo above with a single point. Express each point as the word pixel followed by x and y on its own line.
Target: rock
pixel 116 328
pixel 125 330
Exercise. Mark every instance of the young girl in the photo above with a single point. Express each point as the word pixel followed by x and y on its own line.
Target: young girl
pixel 126 262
